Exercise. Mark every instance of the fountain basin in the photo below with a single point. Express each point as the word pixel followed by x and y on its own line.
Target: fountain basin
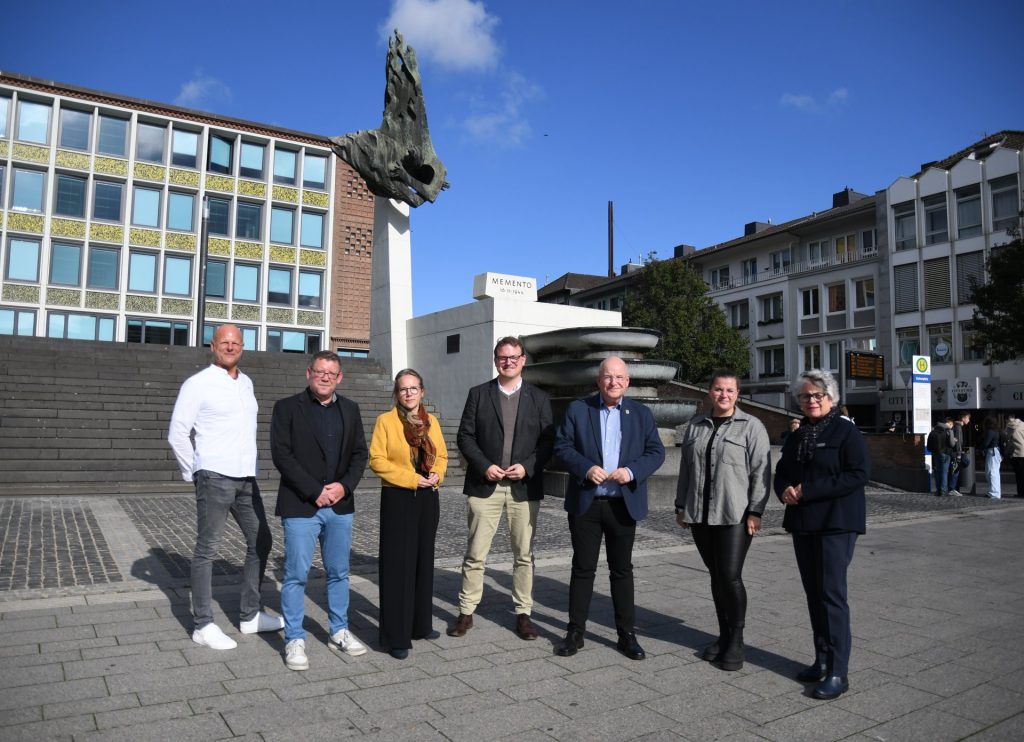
pixel 577 339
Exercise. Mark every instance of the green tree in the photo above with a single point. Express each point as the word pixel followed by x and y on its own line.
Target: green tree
pixel 668 295
pixel 999 318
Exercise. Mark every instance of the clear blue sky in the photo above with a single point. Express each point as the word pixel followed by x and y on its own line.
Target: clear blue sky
pixel 693 117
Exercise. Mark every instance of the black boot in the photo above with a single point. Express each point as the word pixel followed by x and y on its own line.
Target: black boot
pixel 731 658
pixel 712 650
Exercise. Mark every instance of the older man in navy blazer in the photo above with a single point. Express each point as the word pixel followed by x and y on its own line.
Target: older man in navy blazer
pixel 609 444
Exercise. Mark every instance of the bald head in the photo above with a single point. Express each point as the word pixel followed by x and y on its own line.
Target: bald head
pixel 227 348
pixel 612 380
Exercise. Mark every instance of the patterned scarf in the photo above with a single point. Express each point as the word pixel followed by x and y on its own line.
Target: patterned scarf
pixel 808 433
pixel 416 424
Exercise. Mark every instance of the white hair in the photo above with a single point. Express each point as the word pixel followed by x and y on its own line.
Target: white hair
pixel 821 379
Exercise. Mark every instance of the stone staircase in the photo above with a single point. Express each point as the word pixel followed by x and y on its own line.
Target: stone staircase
pixel 80 418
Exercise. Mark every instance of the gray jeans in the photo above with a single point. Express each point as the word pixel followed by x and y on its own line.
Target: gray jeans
pixel 216 496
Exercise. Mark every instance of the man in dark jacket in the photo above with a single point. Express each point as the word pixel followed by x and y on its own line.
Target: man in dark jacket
pixel 506 436
pixel 318 446
pixel 940 445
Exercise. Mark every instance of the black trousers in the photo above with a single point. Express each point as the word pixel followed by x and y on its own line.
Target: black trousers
pixel 1017 464
pixel 823 559
pixel 610 519
pixel 405 567
pixel 724 549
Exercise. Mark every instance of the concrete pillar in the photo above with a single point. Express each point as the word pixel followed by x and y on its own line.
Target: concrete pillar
pixel 391 285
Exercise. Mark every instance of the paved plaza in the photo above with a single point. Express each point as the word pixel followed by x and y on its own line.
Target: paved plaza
pixel 94 644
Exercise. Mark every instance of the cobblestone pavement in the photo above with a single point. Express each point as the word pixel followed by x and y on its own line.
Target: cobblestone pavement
pixel 69 529
pixel 938 625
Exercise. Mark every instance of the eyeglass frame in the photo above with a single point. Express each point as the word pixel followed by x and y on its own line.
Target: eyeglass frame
pixel 330 375
pixel 804 397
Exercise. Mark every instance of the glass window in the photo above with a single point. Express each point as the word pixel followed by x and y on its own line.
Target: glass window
pixel 312 230
pixel 80 326
pixel 219 221
pixel 66 264
pixel 113 133
pixel 809 302
pixel 106 201
pixel 102 272
pixel 247 221
pixel 5 107
pixel 833 356
pixel 314 171
pixel 836 299
pixel 282 225
pixel 17 321
pixel 818 252
pixel 773 362
pixel 908 340
pixel 936 225
pixel 33 122
pixel 74 129
pixel 1005 203
pixel 279 286
pixel 220 155
pixel 310 296
pixel 149 142
pixel 246 283
pixel 771 308
pixel 811 356
pixel 292 341
pixel 249 335
pixel 738 314
pixel 27 193
pixel 969 350
pixel 251 160
pixel 142 272
pixel 904 279
pixel 865 293
pixel 22 260
pixel 719 277
pixel 70 197
pixel 284 166
pixel 781 260
pixel 968 211
pixel 216 279
pixel 146 207
pixel 156 332
pixel 177 275
pixel 867 240
pixel 940 342
pixel 180 209
pixel 184 148
pixel 905 226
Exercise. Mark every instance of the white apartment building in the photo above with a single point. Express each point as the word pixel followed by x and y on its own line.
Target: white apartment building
pixel 887 274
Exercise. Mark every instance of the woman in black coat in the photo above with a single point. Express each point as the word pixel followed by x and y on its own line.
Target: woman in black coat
pixel 820 478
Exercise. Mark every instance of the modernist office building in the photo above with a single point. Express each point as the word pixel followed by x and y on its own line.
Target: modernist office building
pixel 102 202
pixel 889 273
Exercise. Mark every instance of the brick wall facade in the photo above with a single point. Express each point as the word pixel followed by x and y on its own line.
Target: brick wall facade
pixel 351 256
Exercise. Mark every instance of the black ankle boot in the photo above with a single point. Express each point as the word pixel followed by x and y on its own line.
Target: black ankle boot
pixel 732 656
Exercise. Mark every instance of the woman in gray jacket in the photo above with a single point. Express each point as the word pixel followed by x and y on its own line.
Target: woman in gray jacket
pixel 724 482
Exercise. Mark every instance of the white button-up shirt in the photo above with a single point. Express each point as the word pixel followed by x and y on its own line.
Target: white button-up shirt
pixel 222 411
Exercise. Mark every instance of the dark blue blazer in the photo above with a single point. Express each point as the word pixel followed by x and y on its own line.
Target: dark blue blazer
pixel 833 482
pixel 578 446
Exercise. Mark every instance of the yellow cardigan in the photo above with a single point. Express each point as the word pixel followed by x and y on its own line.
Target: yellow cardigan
pixel 389 452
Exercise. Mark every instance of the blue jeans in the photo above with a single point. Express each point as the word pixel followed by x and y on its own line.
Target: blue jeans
pixel 216 497
pixel 993 458
pixel 940 472
pixel 334 532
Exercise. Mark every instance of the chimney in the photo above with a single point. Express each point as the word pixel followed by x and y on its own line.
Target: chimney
pixel 846 197
pixel 683 251
pixel 755 227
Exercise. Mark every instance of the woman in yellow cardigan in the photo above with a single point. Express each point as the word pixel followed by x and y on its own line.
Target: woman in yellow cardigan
pixel 408 453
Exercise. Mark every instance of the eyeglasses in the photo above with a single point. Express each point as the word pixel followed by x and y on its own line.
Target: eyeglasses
pixel 608 379
pixel 508 359
pixel 325 374
pixel 816 396
pixel 409 390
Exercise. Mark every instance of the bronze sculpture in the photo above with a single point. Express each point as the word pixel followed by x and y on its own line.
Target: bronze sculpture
pixel 398 159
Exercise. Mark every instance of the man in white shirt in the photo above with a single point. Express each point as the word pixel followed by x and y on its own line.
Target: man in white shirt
pixel 219 405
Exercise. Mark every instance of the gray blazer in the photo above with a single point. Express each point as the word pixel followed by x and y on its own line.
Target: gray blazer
pixel 740 470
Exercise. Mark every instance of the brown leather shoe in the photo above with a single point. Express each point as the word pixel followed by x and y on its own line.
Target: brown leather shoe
pixel 462 624
pixel 524 629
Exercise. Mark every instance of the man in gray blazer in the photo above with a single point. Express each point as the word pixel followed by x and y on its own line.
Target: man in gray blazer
pixel 506 436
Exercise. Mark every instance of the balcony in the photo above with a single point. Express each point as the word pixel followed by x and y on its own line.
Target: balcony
pixel 795 269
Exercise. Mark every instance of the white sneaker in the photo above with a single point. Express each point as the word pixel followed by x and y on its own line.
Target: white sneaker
pixel 955 493
pixel 261 622
pixel 347 643
pixel 211 636
pixel 295 655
